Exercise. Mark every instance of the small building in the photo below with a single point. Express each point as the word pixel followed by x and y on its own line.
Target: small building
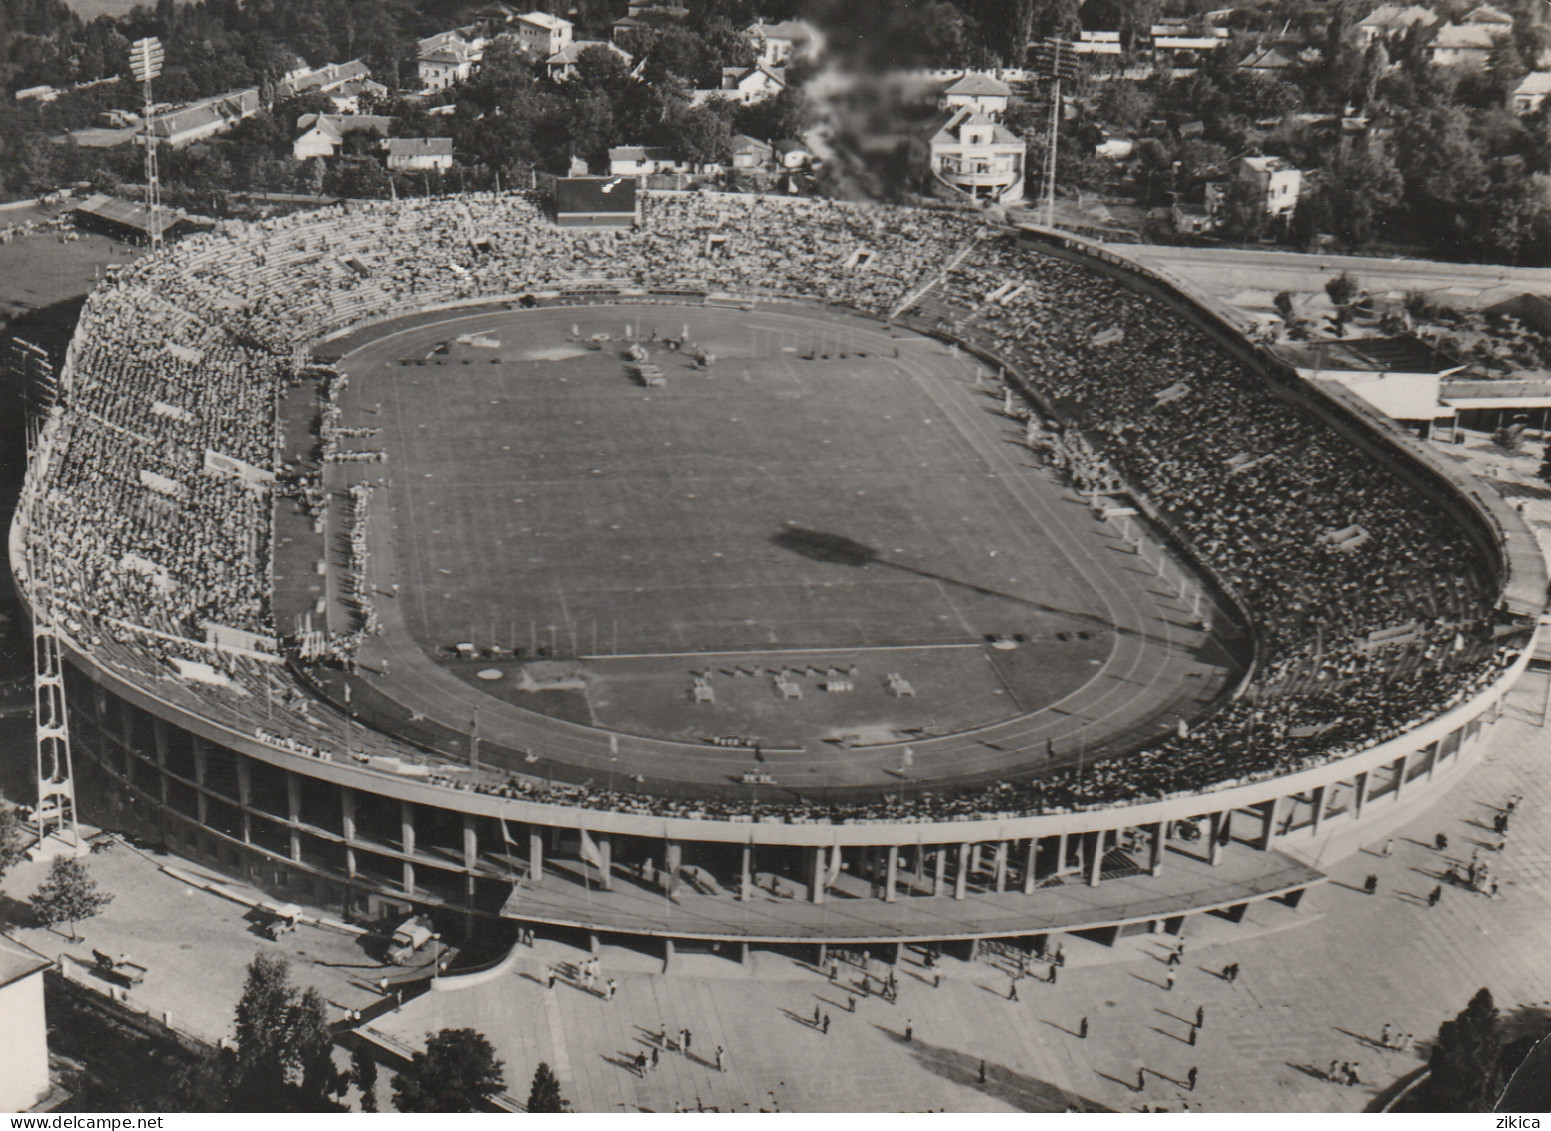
pixel 751 153
pixel 323 80
pixel 977 91
pixel 413 154
pixel 1115 147
pixel 1265 61
pixel 792 154
pixel 1466 45
pixel 24 1081
pixel 752 84
pixel 1390 21
pixel 562 64
pixel 44 93
pixel 542 35
pixel 1402 376
pixel 1191 220
pixel 1531 93
pixel 1488 16
pixel 126 219
pixel 974 156
pixel 447 59
pixel 205 118
pixel 585 202
pixel 784 42
pixel 641 160
pixel 322 134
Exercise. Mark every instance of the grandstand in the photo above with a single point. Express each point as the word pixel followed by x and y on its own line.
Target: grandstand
pixel 1381 610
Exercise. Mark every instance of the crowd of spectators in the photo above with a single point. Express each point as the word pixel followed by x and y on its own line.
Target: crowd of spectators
pixel 155 543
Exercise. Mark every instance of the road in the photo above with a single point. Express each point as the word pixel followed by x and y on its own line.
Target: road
pixel 1223 271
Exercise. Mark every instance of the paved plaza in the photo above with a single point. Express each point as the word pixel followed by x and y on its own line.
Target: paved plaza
pixel 1318 984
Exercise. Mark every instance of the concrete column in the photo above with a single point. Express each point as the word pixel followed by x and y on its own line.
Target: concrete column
pixel 893 874
pixel 673 861
pixel 1029 864
pixel 1319 810
pixel 746 875
pixel 606 863
pixel 667 955
pixel 1155 848
pixel 245 796
pixel 407 836
pixel 942 869
pixel 1000 864
pixel 1360 797
pixel 1437 751
pixel 201 767
pixel 470 843
pixel 961 877
pixel 920 865
pixel 1095 856
pixel 818 872
pixel 1402 764
pixel 535 857
pixel 293 809
pixel 1267 824
pixel 1061 854
pixel 974 858
pixel 1219 822
pixel 159 730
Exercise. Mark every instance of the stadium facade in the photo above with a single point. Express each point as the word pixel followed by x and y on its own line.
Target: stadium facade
pixel 181 753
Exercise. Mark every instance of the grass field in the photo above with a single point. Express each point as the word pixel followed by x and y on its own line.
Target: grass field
pixel 772 503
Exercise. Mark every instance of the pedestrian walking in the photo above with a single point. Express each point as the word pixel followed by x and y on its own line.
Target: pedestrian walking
pixel 1352 1076
pixel 1190 1077
pixel 909 1032
pixel 1384 1035
pixel 1335 1070
pixel 1052 978
pixel 982 1071
pixel 1012 990
pixel 1434 896
pixel 1192 1036
pixel 825 1027
pixel 1200 1015
pixel 1371 884
pixel 834 971
pixel 936 979
pixel 816 1016
pixel 1082 1029
pixel 611 988
pixel 551 984
pixel 688 1037
pixel 1169 985
pixel 1440 842
pixel 656 1056
pixel 719 1058
pixel 1389 847
pixel 1141 1079
pixel 850 1003
pixel 1173 958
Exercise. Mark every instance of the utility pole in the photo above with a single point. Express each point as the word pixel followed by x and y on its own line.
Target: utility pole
pixel 1056 62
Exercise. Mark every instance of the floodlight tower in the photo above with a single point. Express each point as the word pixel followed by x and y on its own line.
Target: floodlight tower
pixel 145 60
pixel 1057 61
pixel 56 813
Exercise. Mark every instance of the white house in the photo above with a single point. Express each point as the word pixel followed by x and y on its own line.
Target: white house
pixel 412 154
pixel 752 84
pixel 1279 182
pixel 321 79
pixel 1528 96
pixel 974 155
pixel 543 35
pixel 791 154
pixel 750 153
pixel 448 58
pixel 562 64
pixel 643 161
pixel 24 1067
pixel 322 133
pixel 976 91
pixel 782 42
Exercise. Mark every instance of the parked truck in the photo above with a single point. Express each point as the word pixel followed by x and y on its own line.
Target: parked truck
pixel 411 935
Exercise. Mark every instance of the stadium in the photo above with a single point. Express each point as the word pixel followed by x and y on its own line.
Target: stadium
pixel 763 572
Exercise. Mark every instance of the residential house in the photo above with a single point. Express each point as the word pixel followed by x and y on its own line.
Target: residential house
pixel 44 93
pixel 792 154
pixel 413 154
pixel 975 90
pixel 1466 45
pixel 322 134
pixel 24 1080
pixel 205 118
pixel 1278 180
pixel 1372 134
pixel 493 19
pixel 543 35
pixel 1531 93
pixel 752 84
pixel 1115 147
pixel 1265 61
pixel 562 64
pixel 1390 21
pixel 751 153
pixel 973 155
pixel 448 58
pixel 1177 38
pixel 785 41
pixel 323 80
pixel 1488 16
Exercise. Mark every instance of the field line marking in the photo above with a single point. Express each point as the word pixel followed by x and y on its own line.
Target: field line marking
pixel 784 651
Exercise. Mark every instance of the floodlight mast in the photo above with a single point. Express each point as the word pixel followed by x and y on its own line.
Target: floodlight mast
pixel 145 61
pixel 1057 61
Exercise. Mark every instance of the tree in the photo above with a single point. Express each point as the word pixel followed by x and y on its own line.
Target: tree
pixel 1466 1069
pixel 456 1072
pixel 544 1096
pixel 283 1042
pixel 1242 213
pixel 363 1071
pixel 702 135
pixel 1543 472
pixel 68 895
pixel 1341 288
pixel 12 840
